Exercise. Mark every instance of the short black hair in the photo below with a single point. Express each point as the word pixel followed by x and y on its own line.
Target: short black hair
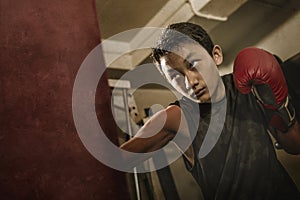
pixel 178 33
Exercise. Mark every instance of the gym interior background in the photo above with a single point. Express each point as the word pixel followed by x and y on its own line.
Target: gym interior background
pixel 43 44
pixel 269 24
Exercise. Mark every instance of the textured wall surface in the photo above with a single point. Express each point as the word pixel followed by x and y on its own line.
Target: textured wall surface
pixel 42 45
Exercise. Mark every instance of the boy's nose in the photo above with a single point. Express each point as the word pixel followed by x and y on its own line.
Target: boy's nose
pixel 190 82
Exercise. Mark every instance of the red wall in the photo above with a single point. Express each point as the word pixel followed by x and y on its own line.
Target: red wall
pixel 42 44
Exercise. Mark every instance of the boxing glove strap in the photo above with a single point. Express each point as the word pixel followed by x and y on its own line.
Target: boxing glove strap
pixel 288 109
pixel 281 117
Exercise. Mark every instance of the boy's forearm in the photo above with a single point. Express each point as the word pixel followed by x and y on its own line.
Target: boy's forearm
pixel 146 145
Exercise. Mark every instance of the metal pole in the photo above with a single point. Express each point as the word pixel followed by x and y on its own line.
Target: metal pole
pixel 136 181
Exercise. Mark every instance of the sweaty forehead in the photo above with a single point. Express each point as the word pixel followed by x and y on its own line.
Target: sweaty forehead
pixel 181 51
pixel 171 59
pixel 186 50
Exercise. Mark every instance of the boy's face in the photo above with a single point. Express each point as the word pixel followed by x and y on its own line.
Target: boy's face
pixel 193 72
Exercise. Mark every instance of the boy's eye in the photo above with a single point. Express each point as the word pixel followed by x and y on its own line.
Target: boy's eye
pixel 193 64
pixel 174 75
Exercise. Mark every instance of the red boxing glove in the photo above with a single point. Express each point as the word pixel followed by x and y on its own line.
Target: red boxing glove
pixel 258 71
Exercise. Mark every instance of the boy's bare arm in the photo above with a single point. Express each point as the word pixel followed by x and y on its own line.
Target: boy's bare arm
pixel 157 132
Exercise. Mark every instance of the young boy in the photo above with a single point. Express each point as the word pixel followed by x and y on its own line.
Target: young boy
pixel 234 158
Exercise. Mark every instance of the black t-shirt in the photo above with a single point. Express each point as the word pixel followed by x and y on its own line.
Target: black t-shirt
pixel 243 163
pixel 291 70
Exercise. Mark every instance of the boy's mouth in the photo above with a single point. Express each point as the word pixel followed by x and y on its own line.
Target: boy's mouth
pixel 199 92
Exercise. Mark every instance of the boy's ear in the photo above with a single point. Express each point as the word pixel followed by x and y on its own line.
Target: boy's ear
pixel 217 55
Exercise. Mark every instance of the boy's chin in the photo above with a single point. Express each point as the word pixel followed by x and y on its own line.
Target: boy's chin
pixel 198 100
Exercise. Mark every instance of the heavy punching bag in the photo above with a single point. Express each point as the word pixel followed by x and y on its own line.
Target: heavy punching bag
pixel 43 44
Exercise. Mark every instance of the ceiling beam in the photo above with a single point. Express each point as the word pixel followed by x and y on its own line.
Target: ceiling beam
pixel 128 56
